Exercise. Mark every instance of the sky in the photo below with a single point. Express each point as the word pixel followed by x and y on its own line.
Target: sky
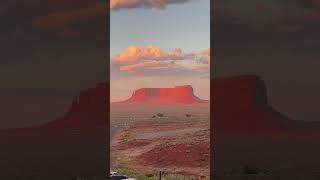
pixel 50 51
pixel 277 40
pixel 159 44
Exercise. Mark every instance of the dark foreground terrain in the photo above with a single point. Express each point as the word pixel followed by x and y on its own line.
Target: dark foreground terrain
pixel 75 144
pixel 255 141
pixel 53 155
pixel 280 156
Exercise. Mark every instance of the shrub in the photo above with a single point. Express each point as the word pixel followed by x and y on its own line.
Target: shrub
pixel 248 170
pixel 160 115
pixel 149 175
pixel 134 174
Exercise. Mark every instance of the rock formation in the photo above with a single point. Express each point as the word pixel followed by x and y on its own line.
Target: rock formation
pixel 167 96
pixel 90 108
pixel 240 106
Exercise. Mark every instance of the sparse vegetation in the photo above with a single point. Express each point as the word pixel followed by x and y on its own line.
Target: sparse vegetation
pixel 154 175
pixel 160 115
pixel 134 174
pixel 125 135
pixel 248 170
pixel 149 175
pixel 164 120
pixel 119 161
pixel 179 177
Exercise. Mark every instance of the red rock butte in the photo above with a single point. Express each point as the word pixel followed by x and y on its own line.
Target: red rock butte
pixel 165 96
pixel 240 106
pixel 90 108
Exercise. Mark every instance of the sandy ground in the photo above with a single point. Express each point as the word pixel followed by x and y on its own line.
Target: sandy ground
pixel 173 143
pixel 52 155
pixel 284 157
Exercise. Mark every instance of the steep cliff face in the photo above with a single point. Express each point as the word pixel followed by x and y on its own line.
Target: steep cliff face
pixel 90 108
pixel 74 144
pixel 176 95
pixel 240 105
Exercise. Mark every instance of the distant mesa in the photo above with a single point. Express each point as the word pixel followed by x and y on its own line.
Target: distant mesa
pixel 163 96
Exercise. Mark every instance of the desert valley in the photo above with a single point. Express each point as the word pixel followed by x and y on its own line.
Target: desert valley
pixel 161 129
pixel 252 140
pixel 168 130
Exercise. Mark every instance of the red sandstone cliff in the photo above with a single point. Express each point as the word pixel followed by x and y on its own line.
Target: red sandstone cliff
pixel 167 96
pixel 240 105
pixel 89 109
pixel 73 145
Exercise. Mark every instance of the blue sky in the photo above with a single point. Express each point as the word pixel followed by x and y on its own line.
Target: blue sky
pixel 183 25
pixel 180 25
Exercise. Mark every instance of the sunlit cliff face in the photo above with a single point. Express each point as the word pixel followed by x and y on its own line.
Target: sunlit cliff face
pixel 178 94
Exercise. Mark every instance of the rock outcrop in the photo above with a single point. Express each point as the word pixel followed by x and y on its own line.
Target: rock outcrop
pixel 73 145
pixel 90 108
pixel 240 106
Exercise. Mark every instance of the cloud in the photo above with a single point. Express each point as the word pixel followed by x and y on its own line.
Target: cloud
pixel 155 65
pixel 151 4
pixel 68 22
pixel 153 59
pixel 205 55
pixel 137 53
pixel 60 19
pixel 63 19
pixel 271 13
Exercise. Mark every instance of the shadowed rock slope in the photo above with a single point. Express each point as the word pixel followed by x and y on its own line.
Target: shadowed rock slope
pixel 240 105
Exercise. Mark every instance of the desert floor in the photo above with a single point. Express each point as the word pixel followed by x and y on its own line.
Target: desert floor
pixel 174 139
pixel 53 155
pixel 276 157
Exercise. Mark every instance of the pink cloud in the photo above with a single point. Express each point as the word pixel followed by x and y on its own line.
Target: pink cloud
pixel 136 53
pixel 62 19
pixel 205 55
pixel 151 4
pixel 136 58
pixel 141 65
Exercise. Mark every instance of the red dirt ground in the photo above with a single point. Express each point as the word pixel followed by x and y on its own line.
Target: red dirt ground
pixel 178 155
pixel 131 144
